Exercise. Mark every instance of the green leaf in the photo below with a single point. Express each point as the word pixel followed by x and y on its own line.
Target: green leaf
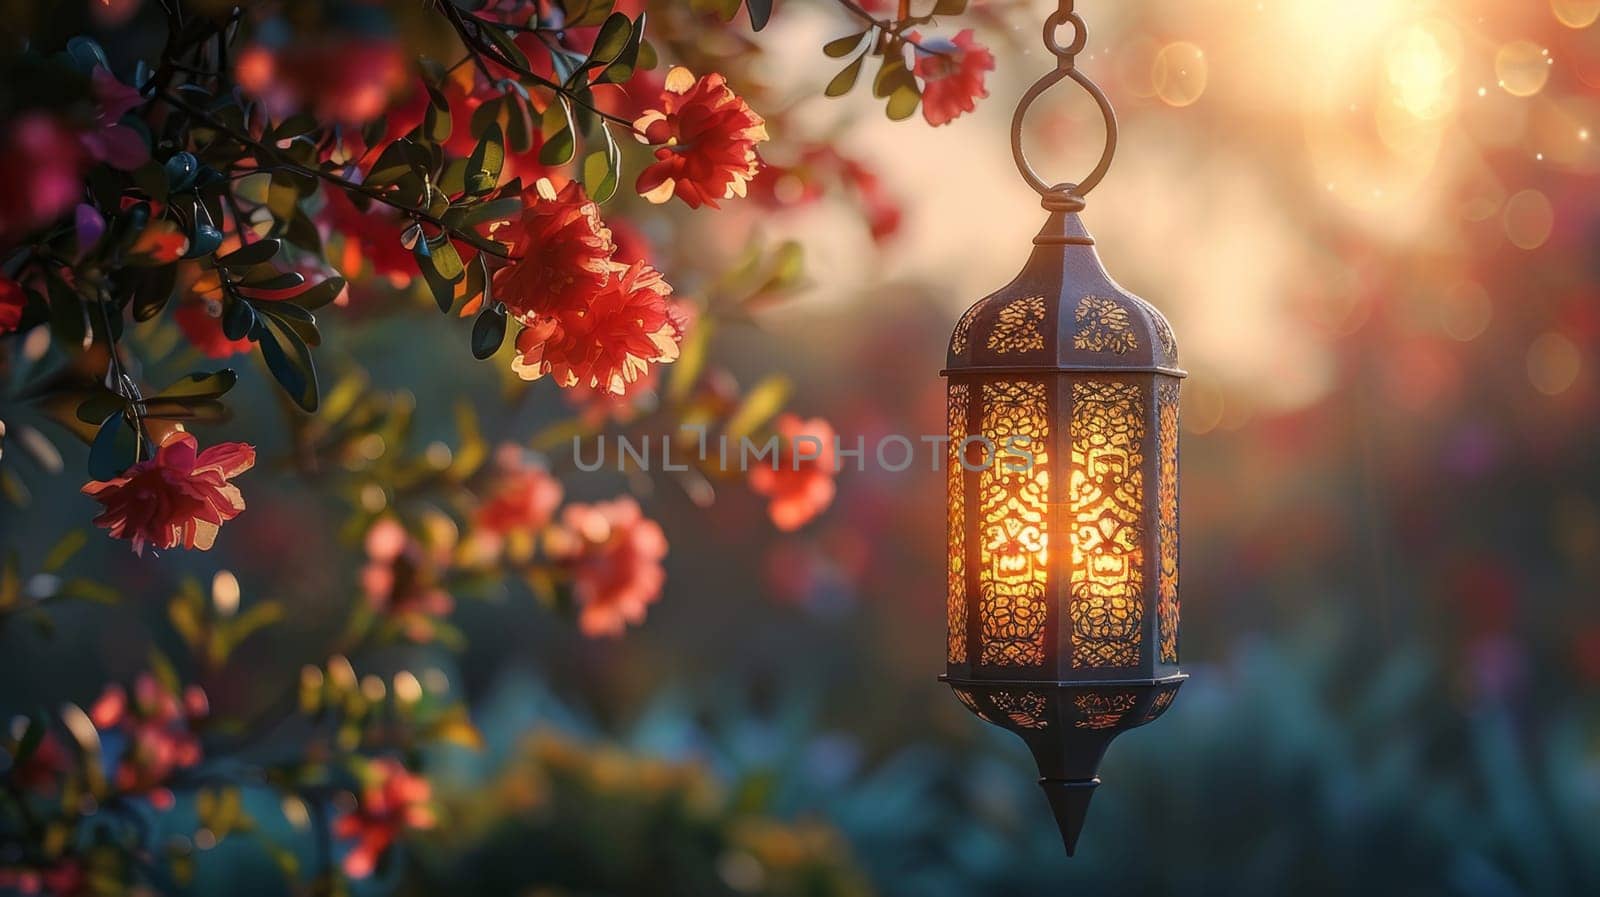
pixel 902 103
pixel 446 261
pixel 612 41
pixel 691 359
pixel 488 331
pixel 253 254
pixel 601 169
pixel 758 407
pixel 266 277
pixel 283 196
pixel 507 47
pixel 840 47
pixel 436 119
pixel 586 13
pixel 153 290
pixel 760 13
pixel 238 318
pixel 303 233
pixel 319 295
pixel 200 385
pixel 99 405
pixel 81 589
pixel 846 79
pixel 503 209
pixel 290 363
pixel 627 61
pixel 63 550
pixel 949 7
pixel 519 125
pixel 488 157
pixel 202 410
pixel 297 125
pixel 115 449
pixel 560 143
pixel 295 318
pixel 397 160
pixel 891 76
pixel 443 290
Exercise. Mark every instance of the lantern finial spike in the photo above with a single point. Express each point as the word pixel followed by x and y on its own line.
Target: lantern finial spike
pixel 1069 801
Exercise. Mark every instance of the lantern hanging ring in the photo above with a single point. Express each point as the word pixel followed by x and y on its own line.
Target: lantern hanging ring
pixel 1065 195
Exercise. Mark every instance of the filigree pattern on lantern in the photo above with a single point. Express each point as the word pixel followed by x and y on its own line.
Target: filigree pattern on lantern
pixel 1019 327
pixel 1102 711
pixel 1103 325
pixel 956 600
pixel 1107 496
pixel 1013 524
pixel 1026 710
pixel 958 340
pixel 1169 344
pixel 1164 336
pixel 1167 523
pixel 1160 704
pixel 966 698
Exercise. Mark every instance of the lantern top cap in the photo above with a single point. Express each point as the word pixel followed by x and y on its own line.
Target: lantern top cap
pixel 1063 312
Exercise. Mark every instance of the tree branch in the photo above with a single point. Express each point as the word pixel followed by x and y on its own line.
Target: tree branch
pixel 281 160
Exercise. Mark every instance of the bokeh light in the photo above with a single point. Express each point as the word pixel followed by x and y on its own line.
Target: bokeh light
pixel 1523 68
pixel 1529 219
pixel 1576 13
pixel 1553 363
pixel 1179 73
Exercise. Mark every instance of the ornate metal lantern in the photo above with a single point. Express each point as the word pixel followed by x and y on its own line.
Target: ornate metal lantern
pixel 1063 493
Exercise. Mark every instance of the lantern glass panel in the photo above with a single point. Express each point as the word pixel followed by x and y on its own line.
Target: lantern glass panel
pixel 1107 508
pixel 1167 522
pixel 1013 523
pixel 956 606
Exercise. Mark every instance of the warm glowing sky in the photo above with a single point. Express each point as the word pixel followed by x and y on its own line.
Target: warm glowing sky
pixel 1242 121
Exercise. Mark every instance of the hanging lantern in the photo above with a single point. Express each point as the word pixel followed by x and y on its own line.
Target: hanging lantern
pixel 1063 493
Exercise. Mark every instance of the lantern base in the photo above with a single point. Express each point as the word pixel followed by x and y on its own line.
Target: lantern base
pixel 1069 802
pixel 1068 726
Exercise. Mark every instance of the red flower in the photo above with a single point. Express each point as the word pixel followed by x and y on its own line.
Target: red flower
pixel 372 236
pixel 799 484
pixel 392 801
pixel 181 497
pixel 401 583
pixel 12 301
pixel 595 407
pixel 44 769
pixel 200 320
pixel 709 139
pixel 153 735
pixel 525 496
pixel 160 242
pixel 883 212
pixel 64 877
pixel 564 254
pixel 632 244
pixel 610 343
pixel 952 76
pixel 613 553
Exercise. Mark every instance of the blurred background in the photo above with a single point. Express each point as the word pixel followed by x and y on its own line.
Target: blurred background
pixel 1373 226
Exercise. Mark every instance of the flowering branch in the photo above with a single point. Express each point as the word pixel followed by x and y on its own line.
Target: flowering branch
pixel 280 160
